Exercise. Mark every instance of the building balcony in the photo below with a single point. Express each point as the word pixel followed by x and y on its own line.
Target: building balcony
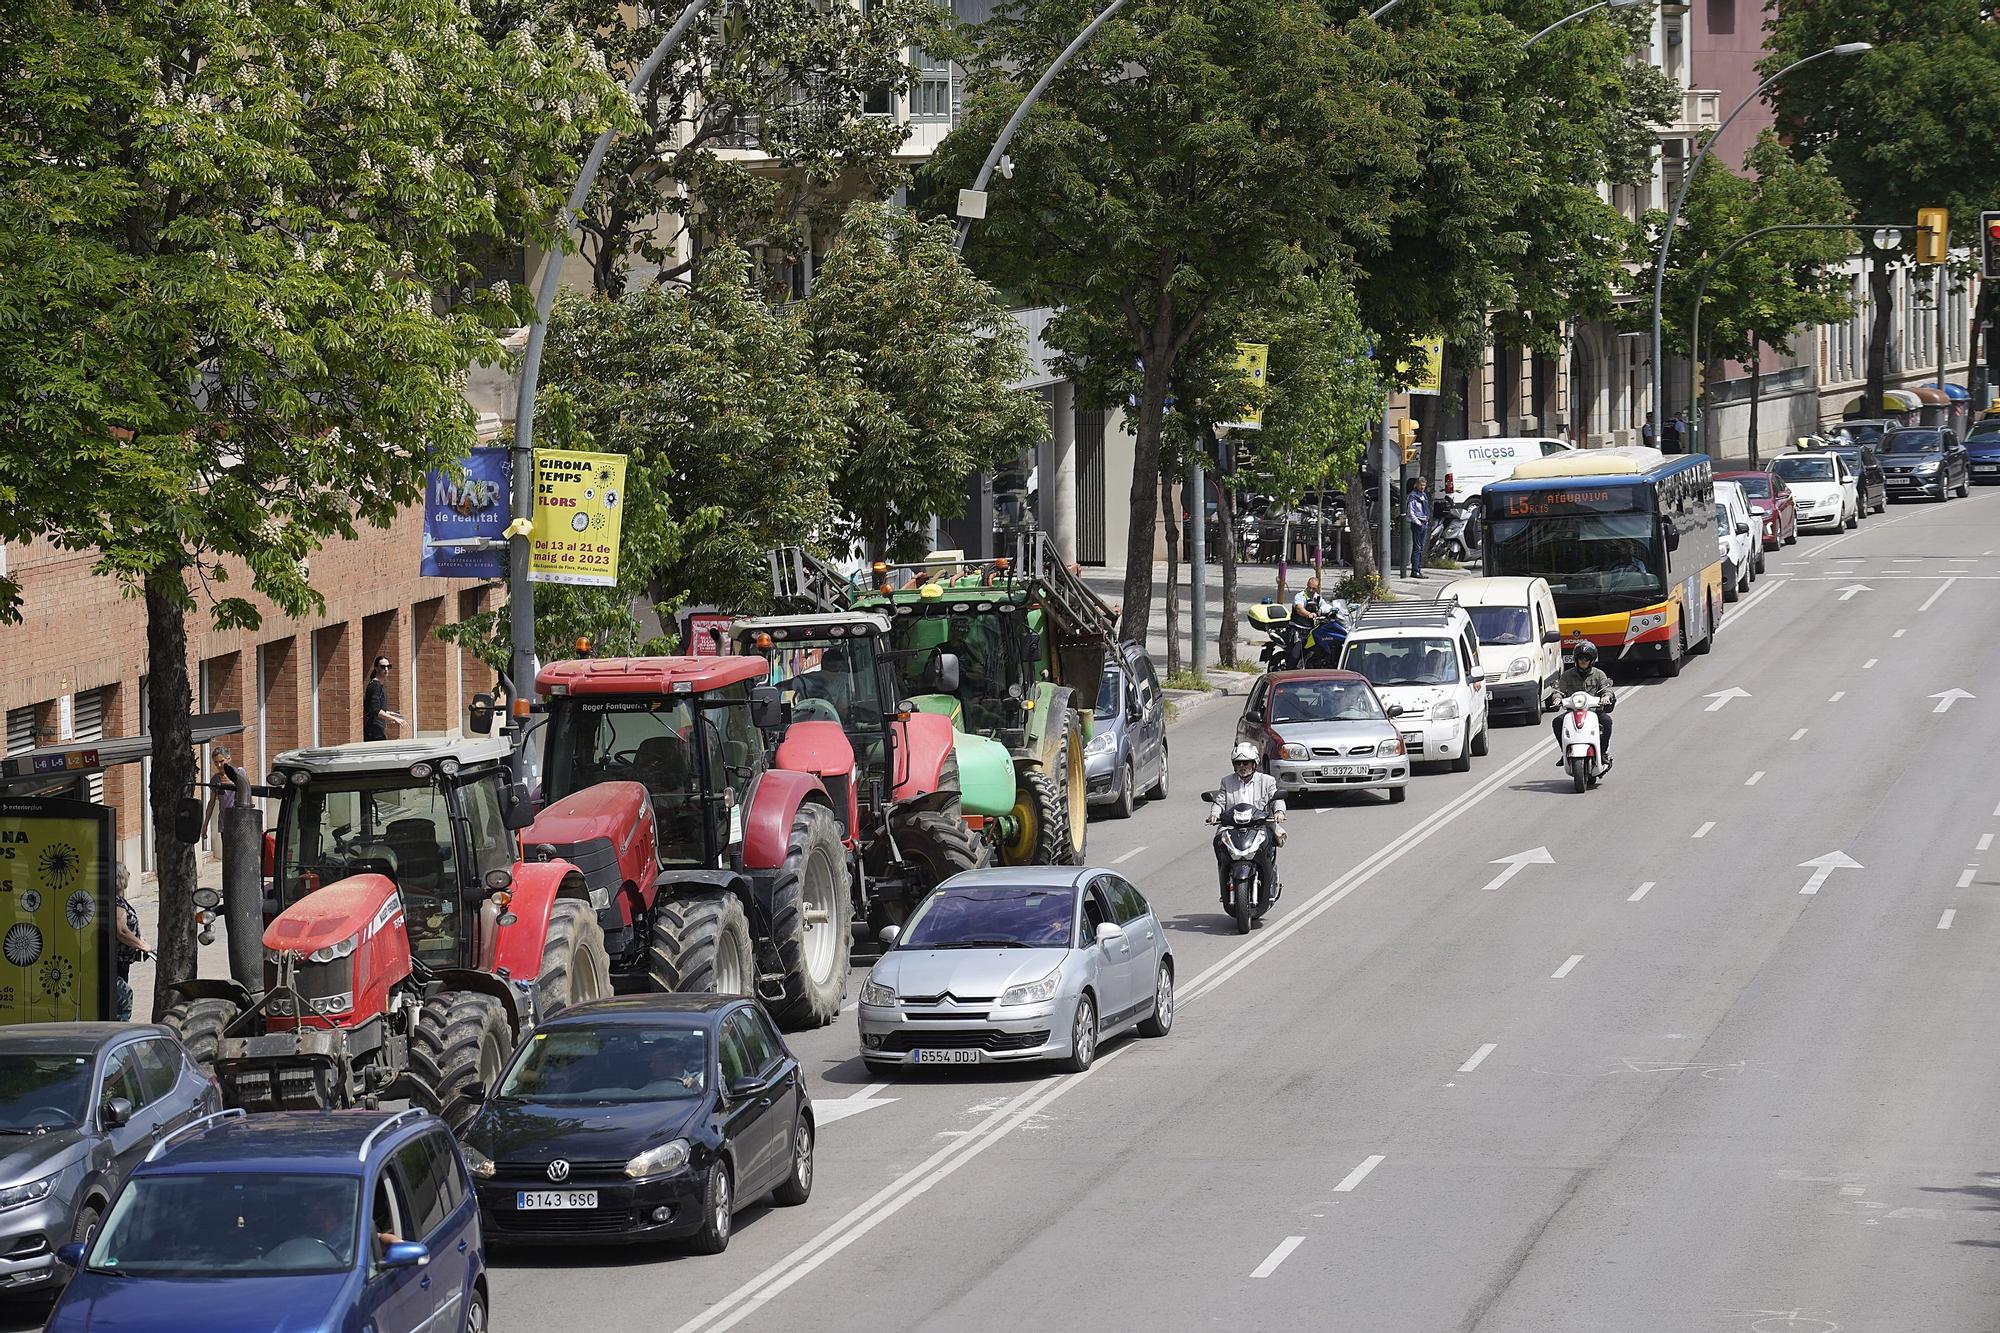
pixel 1700 113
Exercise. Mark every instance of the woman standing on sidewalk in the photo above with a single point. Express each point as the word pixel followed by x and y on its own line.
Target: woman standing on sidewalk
pixel 131 947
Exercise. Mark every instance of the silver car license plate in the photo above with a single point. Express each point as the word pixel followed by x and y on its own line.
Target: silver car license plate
pixel 530 1200
pixel 949 1057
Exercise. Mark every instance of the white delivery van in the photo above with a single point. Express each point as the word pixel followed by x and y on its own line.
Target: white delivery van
pixel 1520 641
pixel 1423 660
pixel 1465 466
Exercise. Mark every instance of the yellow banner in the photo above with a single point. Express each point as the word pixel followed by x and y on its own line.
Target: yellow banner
pixel 56 900
pixel 1252 363
pixel 1426 374
pixel 579 499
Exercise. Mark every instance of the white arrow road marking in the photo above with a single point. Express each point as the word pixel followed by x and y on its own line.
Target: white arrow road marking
pixel 1722 697
pixel 1277 1256
pixel 1847 593
pixel 826 1110
pixel 1538 856
pixel 1950 697
pixel 1824 866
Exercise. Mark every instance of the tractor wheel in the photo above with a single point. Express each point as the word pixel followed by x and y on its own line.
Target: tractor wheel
pixel 199 1025
pixel 575 966
pixel 943 846
pixel 812 915
pixel 1041 818
pixel 701 942
pixel 1075 790
pixel 461 1037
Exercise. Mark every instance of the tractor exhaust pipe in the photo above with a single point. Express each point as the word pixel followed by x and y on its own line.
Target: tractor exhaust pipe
pixel 243 884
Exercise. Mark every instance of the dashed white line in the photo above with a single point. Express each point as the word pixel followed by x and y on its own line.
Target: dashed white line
pixel 1754 778
pixel 1985 843
pixel 1564 970
pixel 1800 732
pixel 1965 876
pixel 1944 922
pixel 1942 589
pixel 1702 832
pixel 1899 634
pixel 1869 665
pixel 1640 892
pixel 1358 1174
pixel 1121 860
pixel 1477 1056
pixel 1836 696
pixel 1277 1256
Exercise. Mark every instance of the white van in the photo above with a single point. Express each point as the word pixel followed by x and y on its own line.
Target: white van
pixel 1520 641
pixel 1423 660
pixel 1465 466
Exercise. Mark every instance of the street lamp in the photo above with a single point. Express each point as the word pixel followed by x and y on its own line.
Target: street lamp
pixel 1587 9
pixel 1680 197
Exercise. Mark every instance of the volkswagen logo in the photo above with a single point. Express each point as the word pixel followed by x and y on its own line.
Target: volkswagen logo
pixel 559 1170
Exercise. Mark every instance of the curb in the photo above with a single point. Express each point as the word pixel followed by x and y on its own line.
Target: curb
pixel 1185 704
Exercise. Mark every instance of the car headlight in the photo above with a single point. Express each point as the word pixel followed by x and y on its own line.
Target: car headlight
pixel 32 1192
pixel 661 1161
pixel 1931 466
pixel 875 993
pixel 1520 666
pixel 1102 742
pixel 1293 751
pixel 1390 747
pixel 477 1162
pixel 1444 710
pixel 1034 992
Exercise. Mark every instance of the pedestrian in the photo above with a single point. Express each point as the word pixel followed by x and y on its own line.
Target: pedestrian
pixel 1646 432
pixel 1679 425
pixel 375 704
pixel 131 947
pixel 221 791
pixel 1418 507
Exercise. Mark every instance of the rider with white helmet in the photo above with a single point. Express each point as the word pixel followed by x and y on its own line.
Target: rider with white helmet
pixel 1245 785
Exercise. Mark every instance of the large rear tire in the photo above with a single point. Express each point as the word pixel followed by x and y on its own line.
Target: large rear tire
pixel 1075 788
pixel 701 942
pixel 575 964
pixel 812 916
pixel 461 1037
pixel 943 846
pixel 199 1024
pixel 1041 819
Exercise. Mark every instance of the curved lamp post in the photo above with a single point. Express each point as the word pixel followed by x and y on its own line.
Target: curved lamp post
pixel 1587 9
pixel 1658 404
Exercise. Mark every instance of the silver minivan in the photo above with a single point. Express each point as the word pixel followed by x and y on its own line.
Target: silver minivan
pixel 1126 759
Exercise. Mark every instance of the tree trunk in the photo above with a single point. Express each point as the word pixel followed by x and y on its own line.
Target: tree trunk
pixel 1360 532
pixel 1173 533
pixel 170 707
pixel 1146 488
pixel 1225 635
pixel 1756 392
pixel 1881 314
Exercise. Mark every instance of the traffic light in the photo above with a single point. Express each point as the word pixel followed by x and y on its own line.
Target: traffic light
pixel 1406 435
pixel 1989 245
pixel 1933 235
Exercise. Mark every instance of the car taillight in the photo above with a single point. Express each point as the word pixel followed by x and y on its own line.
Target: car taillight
pixel 1449 487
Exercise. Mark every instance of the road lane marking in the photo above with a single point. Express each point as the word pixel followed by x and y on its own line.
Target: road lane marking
pixel 1119 861
pixel 1944 922
pixel 1942 589
pixel 1478 1057
pixel 1641 891
pixel 1869 665
pixel 1899 634
pixel 1702 832
pixel 1277 1256
pixel 1965 876
pixel 1754 778
pixel 1800 732
pixel 1836 696
pixel 1985 843
pixel 1358 1174
pixel 1537 856
pixel 1574 959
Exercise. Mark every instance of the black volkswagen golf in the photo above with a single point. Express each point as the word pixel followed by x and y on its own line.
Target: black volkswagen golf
pixel 644 1117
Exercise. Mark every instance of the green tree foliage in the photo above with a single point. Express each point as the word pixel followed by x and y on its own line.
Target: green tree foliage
pixel 1325 390
pixel 234 316
pixel 930 352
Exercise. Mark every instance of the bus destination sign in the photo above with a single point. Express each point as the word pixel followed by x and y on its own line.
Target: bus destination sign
pixel 1572 500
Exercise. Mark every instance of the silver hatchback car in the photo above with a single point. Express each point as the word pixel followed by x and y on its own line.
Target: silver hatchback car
pixel 1022 963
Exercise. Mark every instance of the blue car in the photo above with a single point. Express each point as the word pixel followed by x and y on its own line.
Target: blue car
pixel 322 1220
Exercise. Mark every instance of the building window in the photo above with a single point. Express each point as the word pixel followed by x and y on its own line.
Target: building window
pixel 1721 17
pixel 930 96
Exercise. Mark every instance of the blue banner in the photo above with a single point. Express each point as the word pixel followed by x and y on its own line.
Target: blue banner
pixel 475 507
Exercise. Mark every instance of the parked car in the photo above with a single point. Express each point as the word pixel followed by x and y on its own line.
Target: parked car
pixel 1126 759
pixel 1771 501
pixel 1871 482
pixel 1465 466
pixel 1982 450
pixel 1015 964
pixel 1822 486
pixel 1423 657
pixel 1926 460
pixel 343 1220
pixel 1742 553
pixel 1520 641
pixel 643 1117
pixel 80 1104
pixel 1325 731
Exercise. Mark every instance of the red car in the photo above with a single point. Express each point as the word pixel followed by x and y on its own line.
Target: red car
pixel 1771 500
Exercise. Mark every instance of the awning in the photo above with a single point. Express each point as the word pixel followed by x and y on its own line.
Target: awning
pixel 1893 400
pixel 1930 397
pixel 1957 393
pixel 55 765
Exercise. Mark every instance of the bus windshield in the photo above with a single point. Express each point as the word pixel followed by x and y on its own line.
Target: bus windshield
pixel 1593 562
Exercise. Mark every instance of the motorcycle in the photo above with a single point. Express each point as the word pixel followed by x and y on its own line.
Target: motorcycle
pixel 1582 749
pixel 1242 837
pixel 1454 533
pixel 1299 640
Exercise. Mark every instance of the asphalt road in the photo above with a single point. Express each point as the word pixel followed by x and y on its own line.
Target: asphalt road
pixel 1646 1084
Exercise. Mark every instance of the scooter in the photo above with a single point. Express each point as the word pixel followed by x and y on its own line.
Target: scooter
pixel 1299 640
pixel 1242 837
pixel 1582 748
pixel 1454 532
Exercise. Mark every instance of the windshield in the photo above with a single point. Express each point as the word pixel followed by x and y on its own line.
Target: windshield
pixel 393 825
pixel 230 1224
pixel 1914 442
pixel 1757 487
pixel 987 646
pixel 1000 917
pixel 1323 701
pixel 829 680
pixel 1107 692
pixel 47 1090
pixel 1803 469
pixel 645 741
pixel 1592 561
pixel 1403 661
pixel 615 1063
pixel 1501 625
pixel 1983 430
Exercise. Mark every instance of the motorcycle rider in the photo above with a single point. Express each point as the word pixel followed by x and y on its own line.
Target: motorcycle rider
pixel 1246 786
pixel 1583 676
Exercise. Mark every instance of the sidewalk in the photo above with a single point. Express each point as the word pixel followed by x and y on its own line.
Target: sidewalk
pixel 213 958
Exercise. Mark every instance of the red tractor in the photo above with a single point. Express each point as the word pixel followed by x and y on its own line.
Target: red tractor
pixel 712 864
pixel 406 946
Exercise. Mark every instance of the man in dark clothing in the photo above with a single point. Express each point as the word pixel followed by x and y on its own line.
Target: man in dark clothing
pixel 375 704
pixel 1583 676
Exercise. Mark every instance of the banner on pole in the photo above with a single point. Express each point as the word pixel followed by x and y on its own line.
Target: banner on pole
pixel 56 900
pixel 472 509
pixel 578 502
pixel 1252 363
pixel 1426 373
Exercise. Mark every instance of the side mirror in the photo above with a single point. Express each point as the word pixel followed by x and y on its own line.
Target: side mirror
pixel 1031 645
pixel 117 1111
pixel 742 1087
pixel 1109 932
pixel 70 1255
pixel 479 715
pixel 890 934
pixel 473 1092
pixel 943 676
pixel 517 808
pixel 406 1254
pixel 1743 529
pixel 1394 710
pixel 1208 798
pixel 187 820
pixel 1476 677
pixel 1552 636
pixel 767 708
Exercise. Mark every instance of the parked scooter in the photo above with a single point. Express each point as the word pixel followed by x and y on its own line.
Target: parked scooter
pixel 1454 532
pixel 1583 749
pixel 1242 837
pixel 1299 640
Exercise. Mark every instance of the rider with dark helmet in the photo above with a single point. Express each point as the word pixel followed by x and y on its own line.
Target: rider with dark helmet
pixel 1583 676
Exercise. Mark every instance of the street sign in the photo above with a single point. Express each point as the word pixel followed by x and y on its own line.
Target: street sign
pixel 1425 375
pixel 1253 363
pixel 579 500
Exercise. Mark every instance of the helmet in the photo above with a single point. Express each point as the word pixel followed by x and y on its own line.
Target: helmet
pixel 1243 753
pixel 1586 651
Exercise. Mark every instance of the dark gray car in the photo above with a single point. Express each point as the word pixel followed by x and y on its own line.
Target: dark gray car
pixel 80 1105
pixel 1925 461
pixel 1126 758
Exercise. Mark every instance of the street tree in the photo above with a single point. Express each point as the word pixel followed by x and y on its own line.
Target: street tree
pixel 235 318
pixel 1190 159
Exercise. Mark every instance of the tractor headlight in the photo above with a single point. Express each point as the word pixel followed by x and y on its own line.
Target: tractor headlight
pixel 338 949
pixel 326 1005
